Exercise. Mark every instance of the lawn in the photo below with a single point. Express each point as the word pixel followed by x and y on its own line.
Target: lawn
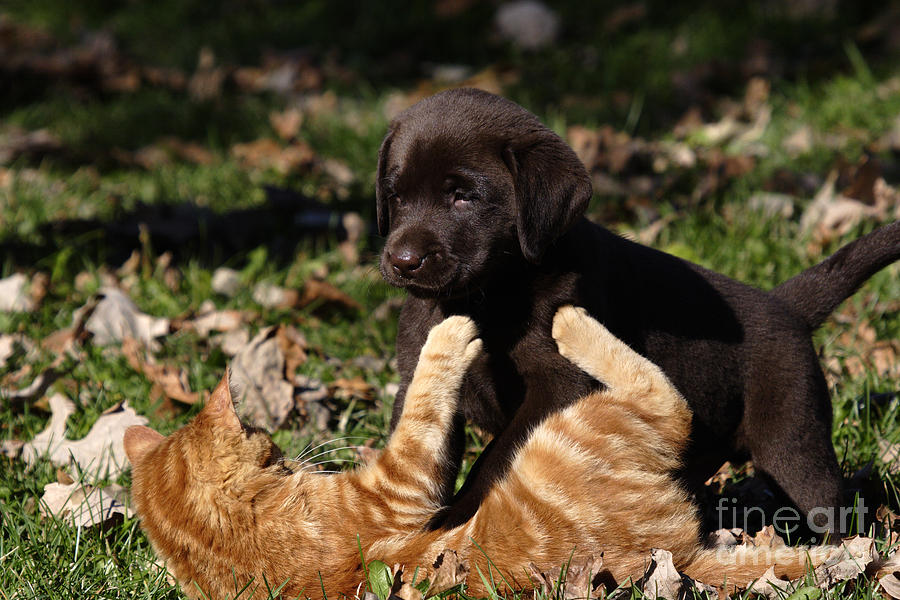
pixel 147 146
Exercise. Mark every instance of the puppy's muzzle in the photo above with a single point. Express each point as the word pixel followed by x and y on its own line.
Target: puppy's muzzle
pixel 406 262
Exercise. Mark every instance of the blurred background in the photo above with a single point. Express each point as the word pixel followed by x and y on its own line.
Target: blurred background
pixel 124 105
pixel 186 185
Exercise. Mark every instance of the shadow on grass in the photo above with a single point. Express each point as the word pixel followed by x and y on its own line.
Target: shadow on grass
pixel 189 232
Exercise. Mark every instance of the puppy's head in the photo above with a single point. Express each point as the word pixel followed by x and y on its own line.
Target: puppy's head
pixel 468 183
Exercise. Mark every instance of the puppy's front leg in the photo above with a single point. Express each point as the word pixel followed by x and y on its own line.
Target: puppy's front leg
pixel 561 384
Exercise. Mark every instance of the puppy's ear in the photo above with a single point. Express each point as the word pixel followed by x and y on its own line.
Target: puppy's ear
pixel 382 210
pixel 552 189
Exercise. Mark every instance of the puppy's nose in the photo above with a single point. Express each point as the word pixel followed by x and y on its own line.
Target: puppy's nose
pixel 405 262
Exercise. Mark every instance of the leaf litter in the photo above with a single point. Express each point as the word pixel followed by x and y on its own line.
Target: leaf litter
pixel 100 453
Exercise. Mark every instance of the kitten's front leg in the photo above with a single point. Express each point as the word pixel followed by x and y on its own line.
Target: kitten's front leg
pixel 418 448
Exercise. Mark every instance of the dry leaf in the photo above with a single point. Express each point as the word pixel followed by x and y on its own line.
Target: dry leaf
pixel 81 505
pixel 226 281
pixel 661 579
pixel 16 142
pixel 273 296
pixel 258 372
pixel 889 454
pixel 116 317
pixel 286 124
pixel 269 154
pixel 799 142
pixel 14 296
pixel 11 344
pixel 769 585
pixel 293 345
pixel 168 381
pixel 888 575
pixel 11 448
pixel 529 24
pixel 232 342
pixel 891 585
pixel 315 291
pixel 406 592
pixel 831 215
pixel 36 388
pixel 100 452
pixel 344 389
pixel 724 538
pixel 847 561
pixel 449 572
pixel 206 82
pixel 765 538
pixel 216 320
pixel 579 582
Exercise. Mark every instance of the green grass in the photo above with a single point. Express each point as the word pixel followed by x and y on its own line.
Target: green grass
pixel 623 77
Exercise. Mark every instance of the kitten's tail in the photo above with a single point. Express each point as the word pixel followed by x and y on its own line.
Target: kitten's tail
pixel 739 566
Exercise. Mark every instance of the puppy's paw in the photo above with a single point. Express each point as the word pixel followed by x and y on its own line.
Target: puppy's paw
pixel 455 338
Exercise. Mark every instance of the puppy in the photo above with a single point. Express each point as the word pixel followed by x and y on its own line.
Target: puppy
pixel 483 207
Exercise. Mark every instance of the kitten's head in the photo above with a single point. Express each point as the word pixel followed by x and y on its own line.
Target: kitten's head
pixel 195 489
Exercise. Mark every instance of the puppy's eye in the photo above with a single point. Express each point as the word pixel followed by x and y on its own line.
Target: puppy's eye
pixel 460 198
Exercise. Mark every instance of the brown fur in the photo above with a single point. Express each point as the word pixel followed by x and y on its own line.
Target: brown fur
pixel 218 505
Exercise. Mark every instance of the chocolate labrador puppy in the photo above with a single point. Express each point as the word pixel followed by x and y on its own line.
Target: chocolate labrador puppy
pixel 483 207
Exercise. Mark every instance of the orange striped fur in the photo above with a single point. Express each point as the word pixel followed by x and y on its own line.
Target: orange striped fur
pixel 220 506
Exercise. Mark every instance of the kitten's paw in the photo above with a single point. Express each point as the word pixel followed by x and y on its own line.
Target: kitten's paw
pixel 455 336
pixel 577 334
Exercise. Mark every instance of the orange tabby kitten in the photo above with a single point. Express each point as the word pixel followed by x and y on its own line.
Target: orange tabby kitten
pixel 222 509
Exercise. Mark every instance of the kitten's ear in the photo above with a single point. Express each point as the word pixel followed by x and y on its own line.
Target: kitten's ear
pixel 220 407
pixel 139 440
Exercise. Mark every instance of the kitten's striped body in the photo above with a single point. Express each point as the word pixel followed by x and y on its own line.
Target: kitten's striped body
pixel 595 477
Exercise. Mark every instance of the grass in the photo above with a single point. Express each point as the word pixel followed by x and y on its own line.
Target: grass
pixel 593 76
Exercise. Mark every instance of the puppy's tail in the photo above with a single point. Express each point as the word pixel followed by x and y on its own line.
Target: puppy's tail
pixel 738 566
pixel 817 291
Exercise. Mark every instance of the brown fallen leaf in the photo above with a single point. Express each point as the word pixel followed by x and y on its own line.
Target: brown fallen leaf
pixel 116 317
pixel 344 389
pixel 82 505
pixel 888 576
pixel 724 538
pixel 662 580
pixel 206 82
pixel 226 281
pixel 765 538
pixel 15 143
pixel 15 344
pixel 831 215
pixel 449 572
pixel 100 453
pixel 406 592
pixel 889 454
pixel 322 292
pixel 14 296
pixel 219 321
pixel 268 154
pixel 264 397
pixel 769 585
pixel 11 448
pixel 293 345
pixel 168 381
pixel 273 296
pixel 286 124
pixel 578 580
pixel 847 561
